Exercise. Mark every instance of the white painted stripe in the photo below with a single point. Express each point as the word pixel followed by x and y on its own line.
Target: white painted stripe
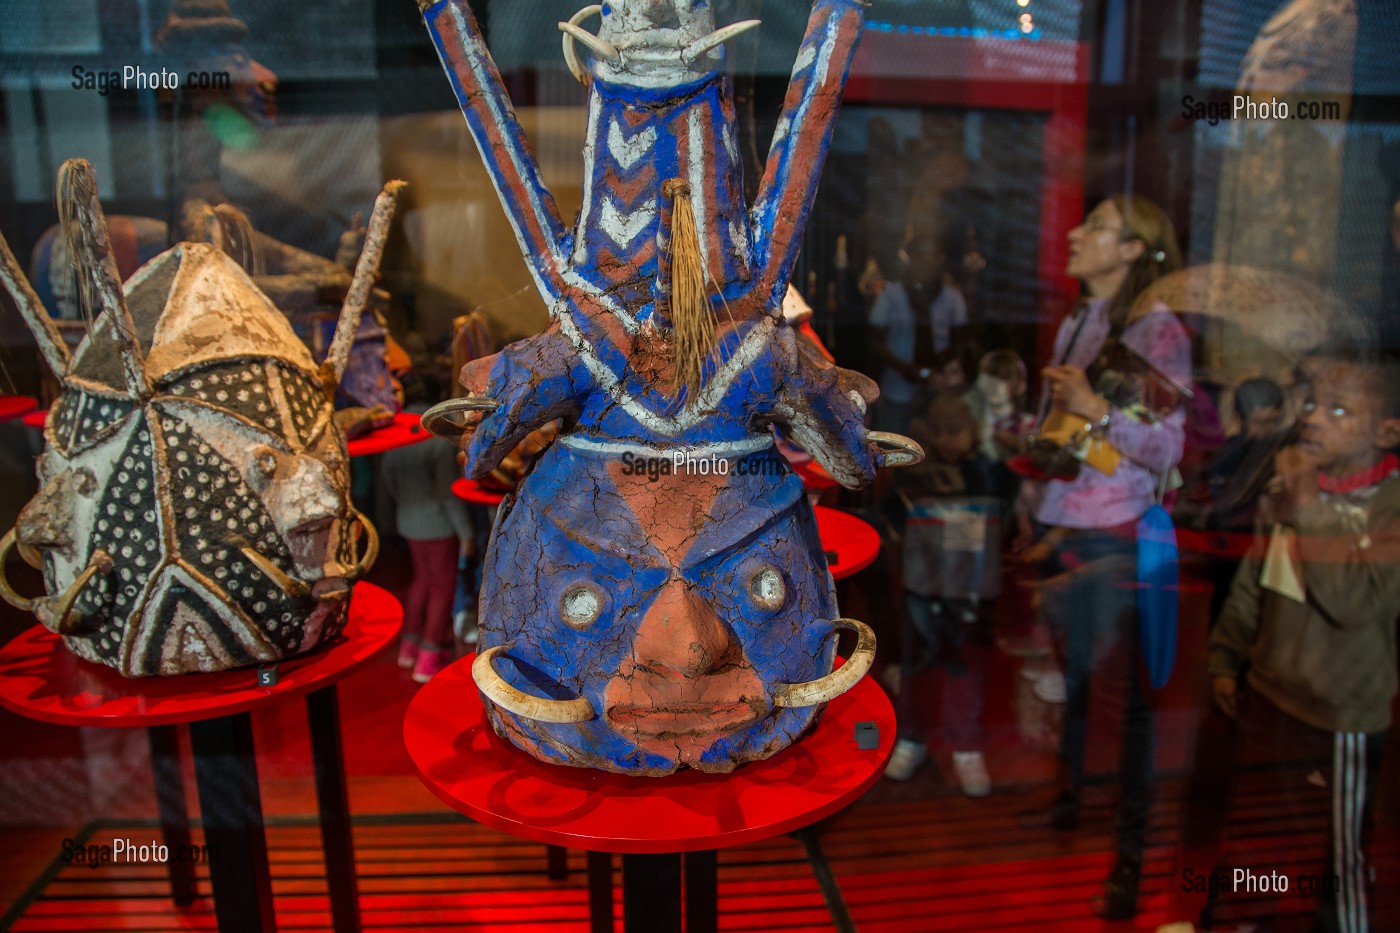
pixel 590 156
pixel 726 449
pixel 696 409
pixel 697 156
pixel 833 32
pixel 477 57
pixel 587 288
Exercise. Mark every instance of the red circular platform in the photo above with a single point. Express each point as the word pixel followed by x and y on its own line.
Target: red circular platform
pixel 855 542
pixel 404 431
pixel 13 406
pixel 41 679
pixel 462 760
pixel 813 476
pixel 36 419
pixel 471 491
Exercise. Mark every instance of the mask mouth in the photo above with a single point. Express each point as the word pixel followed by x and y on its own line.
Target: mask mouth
pixel 331 589
pixel 695 720
pixel 331 580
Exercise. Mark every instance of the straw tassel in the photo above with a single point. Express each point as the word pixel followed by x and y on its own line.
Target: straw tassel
pixel 691 321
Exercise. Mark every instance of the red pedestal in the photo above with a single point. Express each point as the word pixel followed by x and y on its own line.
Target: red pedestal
pixel 473 492
pixel 813 476
pixel 13 406
pixel 853 540
pixel 404 431
pixel 41 679
pixel 461 759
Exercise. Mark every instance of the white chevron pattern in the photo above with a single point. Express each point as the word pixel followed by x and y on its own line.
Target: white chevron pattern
pixel 622 228
pixel 628 152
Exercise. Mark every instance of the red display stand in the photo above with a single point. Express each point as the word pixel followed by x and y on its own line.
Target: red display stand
pixel 14 406
pixel 472 492
pixel 35 419
pixel 854 541
pixel 40 679
pixel 650 820
pixel 403 432
pixel 813 476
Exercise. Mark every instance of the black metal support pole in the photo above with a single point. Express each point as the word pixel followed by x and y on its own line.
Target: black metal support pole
pixel 826 880
pixel 600 892
pixel 651 893
pixel 231 808
pixel 701 892
pixel 558 859
pixel 174 812
pixel 323 711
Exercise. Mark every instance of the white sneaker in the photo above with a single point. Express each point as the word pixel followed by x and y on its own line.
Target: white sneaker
pixel 1050 687
pixel 971 770
pixel 908 757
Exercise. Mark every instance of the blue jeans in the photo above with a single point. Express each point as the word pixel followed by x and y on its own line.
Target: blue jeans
pixel 1090 602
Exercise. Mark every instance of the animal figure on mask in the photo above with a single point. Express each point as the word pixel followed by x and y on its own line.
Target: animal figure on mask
pixel 194 510
pixel 656 595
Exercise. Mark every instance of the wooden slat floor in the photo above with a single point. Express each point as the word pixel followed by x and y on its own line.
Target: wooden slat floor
pixel 943 864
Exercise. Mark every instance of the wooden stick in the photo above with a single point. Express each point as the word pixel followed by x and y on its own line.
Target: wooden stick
pixel 366 270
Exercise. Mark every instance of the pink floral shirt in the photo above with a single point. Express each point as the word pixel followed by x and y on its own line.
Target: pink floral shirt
pixel 1094 499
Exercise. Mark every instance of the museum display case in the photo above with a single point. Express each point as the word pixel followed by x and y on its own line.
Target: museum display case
pixel 894 465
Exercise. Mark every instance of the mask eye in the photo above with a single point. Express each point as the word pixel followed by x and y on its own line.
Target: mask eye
pixel 767 588
pixel 581 605
pixel 266 461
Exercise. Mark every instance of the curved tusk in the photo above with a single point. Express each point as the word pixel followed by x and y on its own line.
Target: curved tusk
pixel 522 704
pixel 7 592
pixel 438 419
pixel 570 53
pixel 59 619
pixel 717 38
pixel 371 548
pixel 30 555
pixel 601 47
pixel 290 585
pixel 838 681
pixel 895 450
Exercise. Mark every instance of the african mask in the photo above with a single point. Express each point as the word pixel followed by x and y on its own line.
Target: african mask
pixel 655 593
pixel 194 510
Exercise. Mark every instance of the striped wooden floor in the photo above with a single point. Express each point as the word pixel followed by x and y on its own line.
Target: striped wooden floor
pixel 901 866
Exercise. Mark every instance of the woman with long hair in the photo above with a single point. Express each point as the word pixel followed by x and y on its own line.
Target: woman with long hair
pixel 1085 527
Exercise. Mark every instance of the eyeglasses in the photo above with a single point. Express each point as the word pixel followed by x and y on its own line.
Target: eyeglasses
pixel 1097 225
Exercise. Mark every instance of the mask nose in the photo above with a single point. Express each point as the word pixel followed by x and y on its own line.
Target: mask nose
pixel 682 635
pixel 661 13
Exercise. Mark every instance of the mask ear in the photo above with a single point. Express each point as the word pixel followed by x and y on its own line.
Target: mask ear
pixel 1388 433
